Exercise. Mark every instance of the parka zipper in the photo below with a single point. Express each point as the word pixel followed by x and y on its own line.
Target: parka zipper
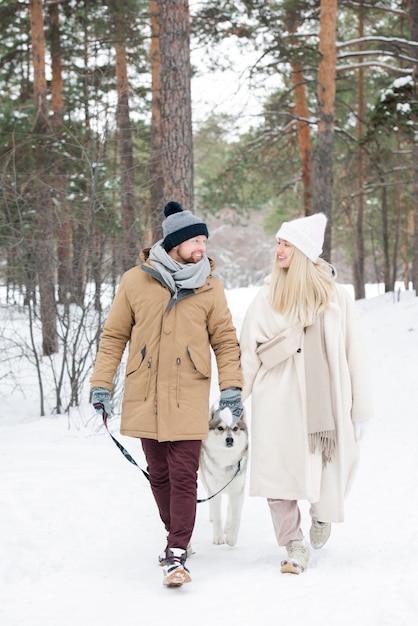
pixel 148 378
pixel 178 362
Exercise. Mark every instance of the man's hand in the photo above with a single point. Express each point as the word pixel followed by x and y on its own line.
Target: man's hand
pixel 230 406
pixel 101 396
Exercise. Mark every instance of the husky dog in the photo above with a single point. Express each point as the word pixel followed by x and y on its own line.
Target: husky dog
pixel 223 464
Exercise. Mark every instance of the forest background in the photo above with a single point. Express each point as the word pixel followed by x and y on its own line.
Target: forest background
pixel 97 133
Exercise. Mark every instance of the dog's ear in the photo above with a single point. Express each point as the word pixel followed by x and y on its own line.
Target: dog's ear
pixel 212 410
pixel 242 424
pixel 213 424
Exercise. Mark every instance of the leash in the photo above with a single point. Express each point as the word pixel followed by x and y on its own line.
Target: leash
pixel 100 405
pixel 224 487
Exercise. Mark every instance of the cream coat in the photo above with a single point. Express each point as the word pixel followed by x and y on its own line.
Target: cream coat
pixel 168 373
pixel 282 466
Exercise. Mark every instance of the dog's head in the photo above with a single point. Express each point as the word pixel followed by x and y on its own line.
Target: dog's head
pixel 225 435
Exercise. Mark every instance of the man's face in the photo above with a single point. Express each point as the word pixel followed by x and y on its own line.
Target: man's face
pixel 190 251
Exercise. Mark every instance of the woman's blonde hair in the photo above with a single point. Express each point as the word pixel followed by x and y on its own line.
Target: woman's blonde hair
pixel 302 291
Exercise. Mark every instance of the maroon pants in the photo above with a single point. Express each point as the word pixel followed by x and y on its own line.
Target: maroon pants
pixel 172 467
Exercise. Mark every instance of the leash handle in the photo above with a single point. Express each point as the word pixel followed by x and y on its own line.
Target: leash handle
pixel 100 406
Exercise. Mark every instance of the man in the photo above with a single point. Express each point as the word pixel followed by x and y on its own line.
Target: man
pixel 171 310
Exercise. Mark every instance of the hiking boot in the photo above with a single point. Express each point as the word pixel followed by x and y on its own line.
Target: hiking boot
pixel 319 534
pixel 163 555
pixel 297 558
pixel 175 572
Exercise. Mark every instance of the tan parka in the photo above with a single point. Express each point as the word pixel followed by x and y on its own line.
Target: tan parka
pixel 168 372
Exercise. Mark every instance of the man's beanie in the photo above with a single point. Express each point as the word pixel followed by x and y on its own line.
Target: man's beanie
pixel 306 234
pixel 180 225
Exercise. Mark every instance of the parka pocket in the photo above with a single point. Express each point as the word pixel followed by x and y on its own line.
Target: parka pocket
pixel 200 364
pixel 138 382
pixel 136 361
pixel 192 371
pixel 138 375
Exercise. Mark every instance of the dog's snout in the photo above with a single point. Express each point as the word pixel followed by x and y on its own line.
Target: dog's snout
pixel 229 442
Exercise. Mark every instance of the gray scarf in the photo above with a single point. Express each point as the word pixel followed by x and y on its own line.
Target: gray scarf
pixel 178 275
pixel 319 397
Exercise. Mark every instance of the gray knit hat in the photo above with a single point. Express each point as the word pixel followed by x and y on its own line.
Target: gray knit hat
pixel 306 233
pixel 180 225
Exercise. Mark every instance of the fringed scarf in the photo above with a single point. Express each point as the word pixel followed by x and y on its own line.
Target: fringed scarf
pixel 319 400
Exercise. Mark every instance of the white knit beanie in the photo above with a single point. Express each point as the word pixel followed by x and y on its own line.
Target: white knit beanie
pixel 306 234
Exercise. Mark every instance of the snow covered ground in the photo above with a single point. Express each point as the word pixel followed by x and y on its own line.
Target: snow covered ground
pixel 79 531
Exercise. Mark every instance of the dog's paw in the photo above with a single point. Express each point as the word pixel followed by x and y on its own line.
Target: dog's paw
pixel 231 532
pixel 231 540
pixel 218 540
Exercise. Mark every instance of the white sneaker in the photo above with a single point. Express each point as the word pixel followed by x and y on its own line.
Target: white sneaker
pixel 175 572
pixel 319 533
pixel 162 556
pixel 297 558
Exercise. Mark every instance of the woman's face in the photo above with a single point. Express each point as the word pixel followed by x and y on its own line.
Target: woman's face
pixel 284 253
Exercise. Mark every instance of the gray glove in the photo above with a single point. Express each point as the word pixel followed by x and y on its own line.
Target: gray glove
pixel 100 395
pixel 230 407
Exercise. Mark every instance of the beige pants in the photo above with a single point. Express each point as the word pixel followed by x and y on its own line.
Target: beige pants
pixel 286 520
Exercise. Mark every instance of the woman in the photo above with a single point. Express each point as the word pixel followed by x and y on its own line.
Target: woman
pixel 303 362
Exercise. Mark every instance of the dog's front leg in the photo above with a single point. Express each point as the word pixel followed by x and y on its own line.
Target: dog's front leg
pixel 233 519
pixel 215 506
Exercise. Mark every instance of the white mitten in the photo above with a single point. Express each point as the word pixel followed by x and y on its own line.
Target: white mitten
pixel 360 428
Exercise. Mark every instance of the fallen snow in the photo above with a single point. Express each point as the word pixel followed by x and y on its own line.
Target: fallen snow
pixel 80 535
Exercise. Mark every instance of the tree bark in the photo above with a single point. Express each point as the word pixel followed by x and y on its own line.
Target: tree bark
pixel 154 230
pixel 359 288
pixel 414 37
pixel 176 110
pixel 45 235
pixel 398 222
pixel 385 238
pixel 326 101
pixel 293 18
pixel 64 226
pixel 304 133
pixel 129 239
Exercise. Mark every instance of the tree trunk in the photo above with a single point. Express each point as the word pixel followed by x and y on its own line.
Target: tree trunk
pixel 414 37
pixel 385 238
pixel 359 289
pixel 64 227
pixel 292 20
pixel 323 179
pixel 129 239
pixel 45 236
pixel 398 222
pixel 82 241
pixel 154 230
pixel 176 110
pixel 304 133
